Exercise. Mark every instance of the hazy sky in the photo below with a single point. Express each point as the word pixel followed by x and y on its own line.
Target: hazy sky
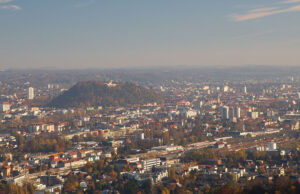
pixel 145 33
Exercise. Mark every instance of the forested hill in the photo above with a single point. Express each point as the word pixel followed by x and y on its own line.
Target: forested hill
pixel 95 93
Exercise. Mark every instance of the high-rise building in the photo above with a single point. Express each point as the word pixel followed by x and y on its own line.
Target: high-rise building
pixel 30 93
pixel 225 112
pixel 245 90
pixel 237 112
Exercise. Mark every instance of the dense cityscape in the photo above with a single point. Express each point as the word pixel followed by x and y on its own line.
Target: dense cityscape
pixel 205 136
pixel 149 97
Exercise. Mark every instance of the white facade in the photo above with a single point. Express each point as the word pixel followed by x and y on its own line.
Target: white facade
pixel 253 115
pixel 30 93
pixel 245 90
pixel 133 160
pixel 237 112
pixel 190 113
pixel 225 112
pixel 157 177
pixel 149 163
pixel 225 89
pixel 4 107
pixel 271 146
pixel 140 136
pixel 167 148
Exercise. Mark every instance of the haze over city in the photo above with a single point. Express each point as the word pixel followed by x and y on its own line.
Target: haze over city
pixel 80 34
pixel 149 97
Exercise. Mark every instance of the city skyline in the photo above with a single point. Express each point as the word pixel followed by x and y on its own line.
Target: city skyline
pixel 117 34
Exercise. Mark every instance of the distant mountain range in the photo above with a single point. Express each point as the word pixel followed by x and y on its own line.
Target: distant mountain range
pixel 96 93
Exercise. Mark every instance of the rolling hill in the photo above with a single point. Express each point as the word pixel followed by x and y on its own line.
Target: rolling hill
pixel 95 93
